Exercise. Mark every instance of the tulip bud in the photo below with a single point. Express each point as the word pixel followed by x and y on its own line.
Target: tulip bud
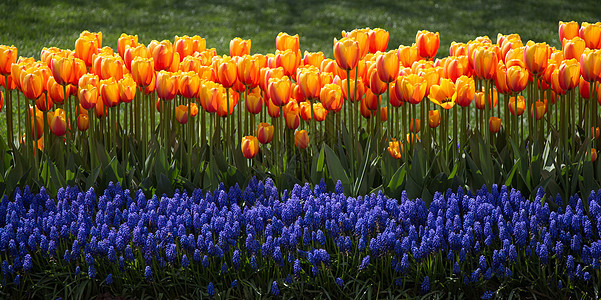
pixel 82 122
pixel 394 149
pixel 593 154
pixel 301 139
pixel 417 127
pixel 249 146
pixel 58 123
pixel 494 124
pixel 433 118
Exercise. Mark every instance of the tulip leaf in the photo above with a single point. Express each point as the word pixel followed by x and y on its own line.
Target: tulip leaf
pixel 317 166
pixel 335 169
pixel 91 180
pixel 396 182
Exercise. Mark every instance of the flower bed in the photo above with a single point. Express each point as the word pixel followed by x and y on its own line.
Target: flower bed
pixel 301 243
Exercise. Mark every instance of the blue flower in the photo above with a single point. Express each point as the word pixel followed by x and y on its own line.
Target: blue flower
pixel 274 288
pixel 488 295
pixel 297 268
pixel 364 263
pixel 288 280
pixel 253 263
pixel 91 271
pixel 339 281
pixel 223 268
pixel 425 286
pixel 234 283
pixel 27 263
pixel 18 280
pixel 456 269
pixel 205 262
pixel 185 263
pixel 148 273
pixel 109 279
pixel 211 290
pixel 77 271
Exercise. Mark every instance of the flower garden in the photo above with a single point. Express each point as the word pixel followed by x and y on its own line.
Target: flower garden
pixel 172 170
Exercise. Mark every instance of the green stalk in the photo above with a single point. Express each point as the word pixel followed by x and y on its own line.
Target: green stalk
pixel 9 114
pixel 190 125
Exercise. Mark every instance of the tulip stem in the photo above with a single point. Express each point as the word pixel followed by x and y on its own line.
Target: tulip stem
pixel 9 115
pixel 190 126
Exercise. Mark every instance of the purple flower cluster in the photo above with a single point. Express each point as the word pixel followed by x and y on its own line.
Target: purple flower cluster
pixel 481 236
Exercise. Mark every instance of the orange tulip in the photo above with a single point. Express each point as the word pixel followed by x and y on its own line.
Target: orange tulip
pixel 249 146
pixel 427 43
pixel 387 66
pixel 184 46
pixel 584 87
pixel 555 85
pixel 285 42
pixel 494 124
pixel 456 67
pixel 465 90
pixel 521 105
pixel 162 55
pixel 55 91
pixel 265 133
pixel 254 102
pixel 125 41
pixel 222 107
pixel 239 47
pixel 39 123
pixel 355 96
pixel 85 49
pixel 288 60
pixel 361 36
pixel 166 85
pixel 142 71
pixel 376 85
pixel 331 97
pixel 569 74
pixel 112 66
pixel 181 114
pixel 210 94
pixel 32 83
pixel 279 90
pixel 536 57
pixel 567 30
pixel 573 48
pixel 227 72
pixel 442 94
pixel 410 88
pixel 319 112
pixel 1 100
pixel 8 56
pixel 433 118
pixel 378 40
pixel 309 83
pixel 301 139
pixel 132 52
pixel 292 115
pixel 248 71
pixel 88 95
pixel 485 62
pixel 57 122
pixel 127 89
pixel 394 149
pixel 540 110
pixel 313 58
pixel 417 127
pixel 407 55
pixel 591 33
pixel 44 103
pixel 188 84
pixel 517 79
pixel 346 53
pixel 109 92
pixel 83 123
pixel 590 65
pixel 593 154
pixel 481 104
pixel 371 100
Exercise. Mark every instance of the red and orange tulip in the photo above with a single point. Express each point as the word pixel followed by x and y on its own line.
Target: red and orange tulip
pixel 249 146
pixel 310 83
pixel 279 90
pixel 83 123
pixel 536 57
pixel 590 65
pixel 394 149
pixel 573 48
pixel 126 41
pixel 387 66
pixel 346 53
pixel 301 139
pixel 517 79
pixel 32 83
pixel 569 74
pixel 591 33
pixel 494 124
pixel 485 62
pixel 142 71
pixel 265 133
pixel 465 90
pixel 331 97
pixel 284 42
pixel 378 40
pixel 433 118
pixel 521 105
pixel 166 85
pixel 162 54
pixel 427 43
pixel 442 94
pixel 254 102
pixel 181 114
pixel 239 47
pixel 57 121
pixel 127 89
pixel 8 56
pixel 411 88
pixel 109 92
pixel 567 30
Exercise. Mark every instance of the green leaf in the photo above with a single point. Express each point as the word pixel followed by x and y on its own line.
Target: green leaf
pixel 335 169
pixel 91 180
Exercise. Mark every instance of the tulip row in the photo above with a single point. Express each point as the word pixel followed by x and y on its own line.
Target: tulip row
pixel 145 94
pixel 254 241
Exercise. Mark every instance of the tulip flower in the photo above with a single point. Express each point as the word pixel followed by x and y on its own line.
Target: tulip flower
pixel 166 85
pixel 362 37
pixel 494 124
pixel 248 71
pixel 536 57
pixel 479 99
pixel 355 95
pixel 32 83
pixel 485 63
pixel 378 40
pixel 55 91
pixel 331 97
pixel 142 71
pixel 313 58
pixel 567 30
pixel 83 122
pixel 39 122
pixel 540 110
pixel 254 102
pixel 573 48
pixel 590 65
pixel 57 122
pixel 292 115
pixel 162 55
pixel 127 89
pixel 181 114
pixel 188 84
pixel 109 92
pixel 132 52
pixel 521 105
pixel 410 88
pixel 285 42
pixel 279 90
pixel 126 41
pixel 249 146
pixel 417 127
pixel 591 33
pixel 301 139
pixel 265 133
pixel 555 85
pixel 407 55
pixel 376 85
pixel 394 149
pixel 239 47
pixel 1 100
pixel 227 72
pixel 569 74
pixel 593 154
pixel 222 104
pixel 465 91
pixel 346 53
pixel 517 79
pixel 456 67
pixel 442 94
pixel 427 44
pixel 288 60
pixel 309 83
pixel 8 56
pixel 387 66
pixel 433 118
pixel 85 49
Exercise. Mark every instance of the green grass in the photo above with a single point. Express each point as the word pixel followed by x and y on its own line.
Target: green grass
pixel 31 25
